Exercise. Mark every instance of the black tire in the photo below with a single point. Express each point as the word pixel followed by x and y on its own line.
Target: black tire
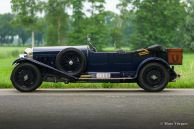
pixel 71 61
pixel 139 84
pixel 153 77
pixel 26 77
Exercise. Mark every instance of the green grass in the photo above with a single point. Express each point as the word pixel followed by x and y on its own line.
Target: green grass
pixel 186 72
pixel 186 80
pixel 7 52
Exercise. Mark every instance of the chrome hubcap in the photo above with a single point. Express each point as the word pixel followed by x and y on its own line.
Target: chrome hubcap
pixel 26 77
pixel 154 77
pixel 70 62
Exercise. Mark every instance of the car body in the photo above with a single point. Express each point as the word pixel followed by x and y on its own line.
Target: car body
pixel 84 64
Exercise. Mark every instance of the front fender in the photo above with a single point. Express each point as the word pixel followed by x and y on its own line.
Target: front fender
pixel 19 60
pixel 40 64
pixel 149 60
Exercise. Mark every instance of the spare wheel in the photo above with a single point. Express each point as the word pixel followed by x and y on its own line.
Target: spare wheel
pixel 71 61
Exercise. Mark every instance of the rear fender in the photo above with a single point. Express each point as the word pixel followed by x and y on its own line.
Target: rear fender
pixel 151 60
pixel 42 65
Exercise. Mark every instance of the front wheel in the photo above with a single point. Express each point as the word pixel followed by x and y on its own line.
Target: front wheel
pixel 26 77
pixel 153 77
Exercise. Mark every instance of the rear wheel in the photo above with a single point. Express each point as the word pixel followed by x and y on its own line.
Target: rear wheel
pixel 153 77
pixel 71 61
pixel 26 77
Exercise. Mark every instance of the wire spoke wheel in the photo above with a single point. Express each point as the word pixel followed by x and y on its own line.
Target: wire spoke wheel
pixel 71 61
pixel 26 77
pixel 153 77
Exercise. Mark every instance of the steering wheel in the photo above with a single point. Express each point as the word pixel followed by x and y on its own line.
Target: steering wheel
pixel 92 47
pixel 90 44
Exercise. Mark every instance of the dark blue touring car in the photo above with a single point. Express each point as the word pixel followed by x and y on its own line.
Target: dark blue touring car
pixel 149 67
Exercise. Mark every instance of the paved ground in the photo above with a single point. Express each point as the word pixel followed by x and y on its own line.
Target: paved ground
pixel 97 109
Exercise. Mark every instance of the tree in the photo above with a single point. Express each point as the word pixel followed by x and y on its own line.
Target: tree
pixel 157 22
pixel 187 28
pixel 124 25
pixel 97 30
pixel 7 32
pixel 95 26
pixel 22 34
pixel 57 21
pixel 26 14
pixel 76 34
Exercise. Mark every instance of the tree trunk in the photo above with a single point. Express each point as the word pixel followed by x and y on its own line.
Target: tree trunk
pixel 59 30
pixel 33 39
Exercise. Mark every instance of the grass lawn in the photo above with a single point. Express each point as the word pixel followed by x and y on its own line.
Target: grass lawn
pixel 6 52
pixel 8 55
pixel 186 72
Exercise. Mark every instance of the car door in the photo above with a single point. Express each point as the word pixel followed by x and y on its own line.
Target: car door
pixel 123 61
pixel 97 62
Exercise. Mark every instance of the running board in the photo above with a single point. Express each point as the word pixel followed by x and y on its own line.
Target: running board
pixel 105 79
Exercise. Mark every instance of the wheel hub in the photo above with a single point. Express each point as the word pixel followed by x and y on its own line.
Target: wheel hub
pixel 71 62
pixel 154 77
pixel 26 77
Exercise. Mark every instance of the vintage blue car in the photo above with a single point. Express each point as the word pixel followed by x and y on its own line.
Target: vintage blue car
pixel 150 67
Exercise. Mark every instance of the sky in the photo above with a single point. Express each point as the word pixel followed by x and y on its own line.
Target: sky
pixel 5 6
